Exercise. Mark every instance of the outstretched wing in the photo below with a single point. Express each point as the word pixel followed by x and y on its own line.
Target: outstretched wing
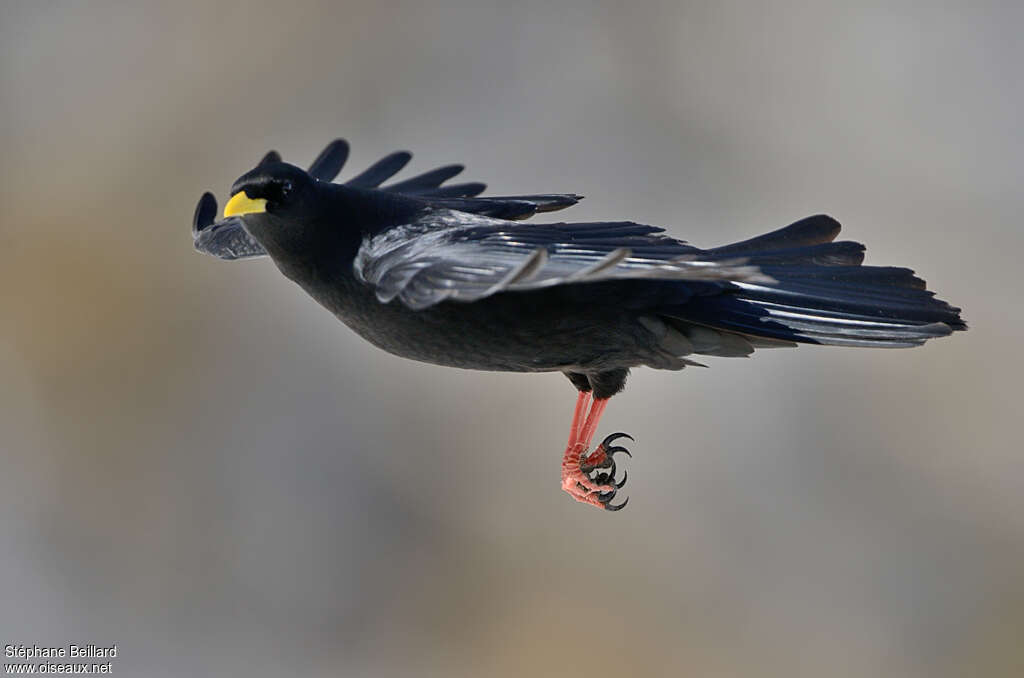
pixel 227 239
pixel 447 254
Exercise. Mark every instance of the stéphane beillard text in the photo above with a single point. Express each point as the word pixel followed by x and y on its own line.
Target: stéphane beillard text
pixel 83 651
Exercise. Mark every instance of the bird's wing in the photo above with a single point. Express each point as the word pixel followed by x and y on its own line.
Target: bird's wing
pixel 227 239
pixel 446 254
pixel 223 238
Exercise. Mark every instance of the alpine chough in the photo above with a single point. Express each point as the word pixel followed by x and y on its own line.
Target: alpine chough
pixel 441 274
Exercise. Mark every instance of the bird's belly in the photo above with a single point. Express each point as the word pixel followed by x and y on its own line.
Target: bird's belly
pixel 455 338
pixel 512 332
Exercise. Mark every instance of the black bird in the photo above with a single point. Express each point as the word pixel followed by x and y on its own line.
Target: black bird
pixel 439 274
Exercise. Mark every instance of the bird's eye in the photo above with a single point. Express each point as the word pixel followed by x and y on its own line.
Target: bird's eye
pixel 278 191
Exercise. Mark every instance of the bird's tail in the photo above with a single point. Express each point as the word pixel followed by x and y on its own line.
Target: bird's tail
pixel 822 294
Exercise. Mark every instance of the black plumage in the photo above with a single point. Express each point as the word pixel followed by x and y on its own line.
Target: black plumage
pixel 444 275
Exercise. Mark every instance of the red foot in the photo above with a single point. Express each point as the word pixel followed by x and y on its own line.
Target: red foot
pixel 598 489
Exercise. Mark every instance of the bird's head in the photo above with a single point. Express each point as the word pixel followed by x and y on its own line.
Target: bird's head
pixel 279 205
pixel 276 189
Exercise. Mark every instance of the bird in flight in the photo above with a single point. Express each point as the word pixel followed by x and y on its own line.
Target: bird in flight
pixel 441 274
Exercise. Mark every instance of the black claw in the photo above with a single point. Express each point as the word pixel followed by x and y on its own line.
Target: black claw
pixel 615 436
pixel 616 450
pixel 616 507
pixel 610 450
pixel 604 473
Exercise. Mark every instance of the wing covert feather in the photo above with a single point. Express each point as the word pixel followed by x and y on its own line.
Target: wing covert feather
pixel 447 254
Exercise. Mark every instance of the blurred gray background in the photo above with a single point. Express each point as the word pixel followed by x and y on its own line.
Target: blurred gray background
pixel 202 466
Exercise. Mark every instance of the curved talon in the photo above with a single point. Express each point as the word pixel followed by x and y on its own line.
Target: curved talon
pixel 617 449
pixel 590 478
pixel 602 485
pixel 616 507
pixel 611 438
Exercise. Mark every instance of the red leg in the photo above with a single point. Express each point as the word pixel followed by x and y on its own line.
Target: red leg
pixel 579 417
pixel 576 480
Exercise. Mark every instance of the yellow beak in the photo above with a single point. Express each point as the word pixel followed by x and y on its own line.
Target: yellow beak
pixel 241 203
